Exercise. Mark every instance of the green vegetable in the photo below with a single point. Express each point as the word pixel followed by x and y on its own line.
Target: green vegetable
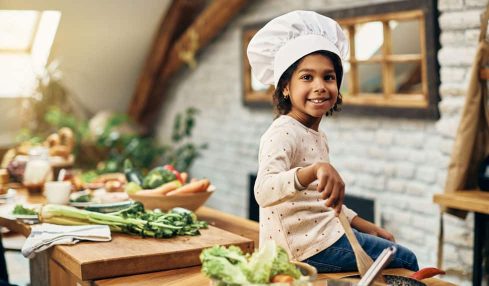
pixel 261 262
pixel 157 177
pixel 230 266
pixel 132 175
pixel 88 177
pixel 132 220
pixel 83 198
pixel 21 210
pixel 132 188
pixel 282 265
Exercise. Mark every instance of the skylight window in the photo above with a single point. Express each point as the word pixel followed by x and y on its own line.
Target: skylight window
pixel 26 38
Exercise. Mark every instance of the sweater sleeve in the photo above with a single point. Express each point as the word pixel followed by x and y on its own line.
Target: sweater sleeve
pixel 275 182
pixel 350 214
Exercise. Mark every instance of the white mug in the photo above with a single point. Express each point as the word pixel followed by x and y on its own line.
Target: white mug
pixel 57 192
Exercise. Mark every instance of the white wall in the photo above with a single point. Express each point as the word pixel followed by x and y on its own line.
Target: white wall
pixel 102 47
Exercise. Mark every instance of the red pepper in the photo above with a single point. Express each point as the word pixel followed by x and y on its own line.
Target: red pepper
pixel 178 176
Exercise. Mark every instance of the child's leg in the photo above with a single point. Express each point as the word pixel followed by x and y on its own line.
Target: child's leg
pixel 340 257
pixel 374 245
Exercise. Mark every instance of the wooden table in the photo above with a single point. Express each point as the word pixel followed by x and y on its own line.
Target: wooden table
pixel 472 201
pixel 192 276
pixel 50 267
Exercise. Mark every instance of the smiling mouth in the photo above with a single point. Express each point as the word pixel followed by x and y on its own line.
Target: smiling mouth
pixel 318 100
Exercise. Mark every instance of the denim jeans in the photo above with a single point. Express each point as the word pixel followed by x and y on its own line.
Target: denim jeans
pixel 339 257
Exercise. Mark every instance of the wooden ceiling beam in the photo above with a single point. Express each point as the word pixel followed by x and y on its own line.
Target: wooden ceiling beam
pixel 206 27
pixel 179 16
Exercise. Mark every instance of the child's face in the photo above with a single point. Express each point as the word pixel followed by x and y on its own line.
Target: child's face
pixel 312 89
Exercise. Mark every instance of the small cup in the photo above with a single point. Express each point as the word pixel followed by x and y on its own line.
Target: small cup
pixel 57 192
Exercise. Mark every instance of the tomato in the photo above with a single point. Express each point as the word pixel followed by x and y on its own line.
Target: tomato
pixel 169 167
pixel 178 176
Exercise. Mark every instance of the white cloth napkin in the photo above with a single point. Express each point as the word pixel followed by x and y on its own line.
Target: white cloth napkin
pixel 46 235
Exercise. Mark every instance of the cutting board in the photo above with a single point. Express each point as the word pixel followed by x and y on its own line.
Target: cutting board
pixel 127 255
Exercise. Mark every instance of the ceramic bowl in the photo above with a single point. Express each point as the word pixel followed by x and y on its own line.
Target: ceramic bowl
pixel 188 201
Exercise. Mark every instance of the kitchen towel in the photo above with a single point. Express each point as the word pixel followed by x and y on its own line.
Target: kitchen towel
pixel 45 235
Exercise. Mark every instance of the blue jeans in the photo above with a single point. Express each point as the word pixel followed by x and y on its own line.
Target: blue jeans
pixel 339 257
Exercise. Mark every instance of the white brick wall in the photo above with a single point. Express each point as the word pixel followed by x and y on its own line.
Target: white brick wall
pixel 401 163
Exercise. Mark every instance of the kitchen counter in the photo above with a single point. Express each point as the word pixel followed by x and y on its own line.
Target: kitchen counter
pixel 192 276
pixel 66 265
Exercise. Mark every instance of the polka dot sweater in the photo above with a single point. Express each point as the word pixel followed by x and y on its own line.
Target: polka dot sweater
pixel 296 218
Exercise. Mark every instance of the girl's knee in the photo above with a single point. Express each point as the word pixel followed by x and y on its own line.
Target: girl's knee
pixel 408 258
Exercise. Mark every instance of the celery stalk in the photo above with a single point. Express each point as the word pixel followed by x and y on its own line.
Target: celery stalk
pixel 133 220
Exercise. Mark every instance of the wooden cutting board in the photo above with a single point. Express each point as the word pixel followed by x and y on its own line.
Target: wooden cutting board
pixel 127 255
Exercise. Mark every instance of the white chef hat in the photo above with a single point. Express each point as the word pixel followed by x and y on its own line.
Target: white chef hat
pixel 289 37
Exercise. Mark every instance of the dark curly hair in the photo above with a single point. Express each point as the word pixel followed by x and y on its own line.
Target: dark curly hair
pixel 283 105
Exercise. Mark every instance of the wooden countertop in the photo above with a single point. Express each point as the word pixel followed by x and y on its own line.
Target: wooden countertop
pixel 192 276
pixel 469 200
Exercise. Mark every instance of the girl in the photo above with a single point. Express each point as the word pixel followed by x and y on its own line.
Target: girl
pixel 298 190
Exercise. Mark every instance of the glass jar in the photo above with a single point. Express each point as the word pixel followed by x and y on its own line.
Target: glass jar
pixel 37 169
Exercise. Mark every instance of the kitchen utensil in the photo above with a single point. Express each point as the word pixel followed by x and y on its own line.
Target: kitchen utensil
pixel 61 174
pixel 363 260
pixel 413 279
pixel 380 263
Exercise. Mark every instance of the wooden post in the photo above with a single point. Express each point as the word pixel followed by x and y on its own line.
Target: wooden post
pixel 206 27
pixel 179 16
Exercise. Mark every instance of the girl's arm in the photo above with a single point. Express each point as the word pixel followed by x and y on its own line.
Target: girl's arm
pixel 365 226
pixel 330 184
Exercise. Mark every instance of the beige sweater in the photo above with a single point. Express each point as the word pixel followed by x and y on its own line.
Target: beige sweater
pixel 294 216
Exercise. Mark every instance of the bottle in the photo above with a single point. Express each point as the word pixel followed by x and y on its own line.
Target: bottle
pixel 37 169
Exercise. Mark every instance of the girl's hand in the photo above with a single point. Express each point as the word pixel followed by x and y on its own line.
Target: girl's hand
pixel 380 232
pixel 330 185
pixel 367 227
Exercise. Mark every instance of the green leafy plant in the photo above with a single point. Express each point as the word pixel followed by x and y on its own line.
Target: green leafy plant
pixel 107 151
pixel 181 153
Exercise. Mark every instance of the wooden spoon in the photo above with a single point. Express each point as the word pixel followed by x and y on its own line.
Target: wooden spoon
pixel 364 261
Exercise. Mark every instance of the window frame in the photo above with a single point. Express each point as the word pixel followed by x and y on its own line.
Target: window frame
pixel 395 106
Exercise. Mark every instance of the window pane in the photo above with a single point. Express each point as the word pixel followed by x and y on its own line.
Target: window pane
pixel 17 29
pixel 405 37
pixel 370 78
pixel 346 79
pixel 369 38
pixel 347 36
pixel 16 76
pixel 408 77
